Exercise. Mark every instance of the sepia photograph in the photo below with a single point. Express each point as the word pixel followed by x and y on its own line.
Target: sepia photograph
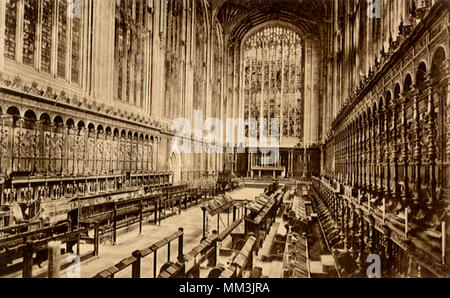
pixel 222 144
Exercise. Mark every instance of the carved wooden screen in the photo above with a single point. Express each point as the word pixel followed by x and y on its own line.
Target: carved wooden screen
pixel 273 79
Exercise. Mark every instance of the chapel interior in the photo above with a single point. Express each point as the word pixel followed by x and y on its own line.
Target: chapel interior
pixel 224 138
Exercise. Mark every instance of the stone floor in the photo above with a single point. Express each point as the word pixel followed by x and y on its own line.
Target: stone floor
pixel 246 193
pixel 129 240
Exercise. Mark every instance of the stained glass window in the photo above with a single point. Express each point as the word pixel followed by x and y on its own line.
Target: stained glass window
pixel 76 47
pixel 10 29
pixel 217 74
pixel 119 57
pixel 130 49
pixel 62 38
pixel 129 54
pixel 46 43
pixel 200 57
pixel 173 55
pixel 45 23
pixel 273 79
pixel 30 15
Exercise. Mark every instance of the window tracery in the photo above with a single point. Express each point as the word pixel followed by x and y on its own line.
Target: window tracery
pixel 130 31
pixel 273 79
pixel 173 63
pixel 48 33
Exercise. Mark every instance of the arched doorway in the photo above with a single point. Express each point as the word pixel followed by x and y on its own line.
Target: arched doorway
pixel 175 167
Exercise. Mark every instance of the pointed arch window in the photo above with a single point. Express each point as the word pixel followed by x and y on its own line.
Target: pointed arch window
pixel 10 29
pixel 30 18
pixel 273 84
pixel 49 41
pixel 47 28
pixel 173 63
pixel 132 20
pixel 200 56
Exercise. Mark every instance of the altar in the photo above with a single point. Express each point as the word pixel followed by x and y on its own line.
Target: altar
pixel 264 171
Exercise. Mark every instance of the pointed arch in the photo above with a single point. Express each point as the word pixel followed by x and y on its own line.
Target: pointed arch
pixel 175 166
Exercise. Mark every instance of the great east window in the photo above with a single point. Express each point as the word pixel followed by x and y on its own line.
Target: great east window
pixel 273 79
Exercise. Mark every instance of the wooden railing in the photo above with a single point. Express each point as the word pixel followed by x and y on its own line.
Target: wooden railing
pixel 189 264
pixel 17 228
pixel 20 238
pixel 28 247
pixel 135 259
pixel 137 209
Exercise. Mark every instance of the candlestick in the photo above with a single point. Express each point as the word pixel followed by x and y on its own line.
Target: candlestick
pixel 384 210
pixel 369 202
pixel 443 242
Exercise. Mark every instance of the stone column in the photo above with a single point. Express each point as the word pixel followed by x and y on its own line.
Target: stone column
pixel 315 98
